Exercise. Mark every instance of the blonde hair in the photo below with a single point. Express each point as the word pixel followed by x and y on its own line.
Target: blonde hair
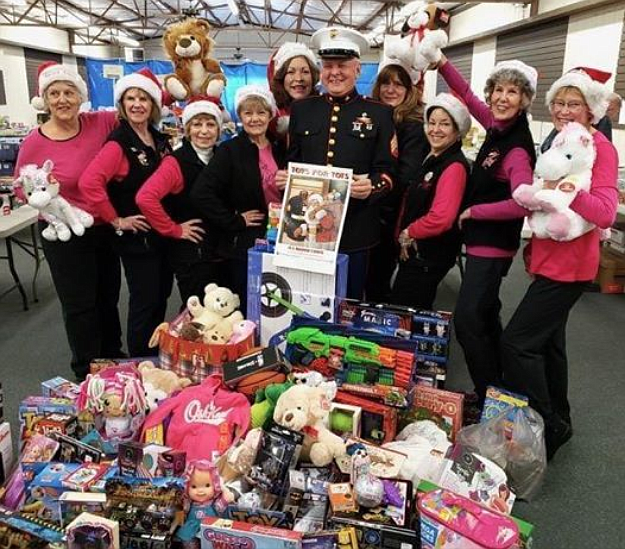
pixel 155 112
pixel 254 101
pixel 187 126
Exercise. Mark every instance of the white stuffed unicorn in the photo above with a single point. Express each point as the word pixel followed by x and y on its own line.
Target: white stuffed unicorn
pixel 42 192
pixel 560 173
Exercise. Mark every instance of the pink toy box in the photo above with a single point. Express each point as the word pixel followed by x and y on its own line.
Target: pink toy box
pixel 220 533
pixel 450 521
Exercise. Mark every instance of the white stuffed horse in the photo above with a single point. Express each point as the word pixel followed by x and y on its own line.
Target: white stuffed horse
pixel 42 192
pixel 560 173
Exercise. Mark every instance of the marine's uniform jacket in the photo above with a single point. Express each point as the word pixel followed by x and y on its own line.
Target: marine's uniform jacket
pixel 348 132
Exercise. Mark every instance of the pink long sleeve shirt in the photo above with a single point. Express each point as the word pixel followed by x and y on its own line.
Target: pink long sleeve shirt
pixel 578 260
pixel 515 167
pixel 70 156
pixel 109 167
pixel 444 210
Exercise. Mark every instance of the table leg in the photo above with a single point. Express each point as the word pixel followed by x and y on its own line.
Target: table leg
pixel 33 234
pixel 14 274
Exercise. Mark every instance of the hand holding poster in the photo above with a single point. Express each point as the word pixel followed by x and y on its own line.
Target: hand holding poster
pixel 313 215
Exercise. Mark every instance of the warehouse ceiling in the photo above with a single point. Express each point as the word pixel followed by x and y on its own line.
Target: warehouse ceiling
pixel 128 22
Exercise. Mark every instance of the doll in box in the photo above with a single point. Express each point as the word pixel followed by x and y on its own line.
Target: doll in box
pixel 206 496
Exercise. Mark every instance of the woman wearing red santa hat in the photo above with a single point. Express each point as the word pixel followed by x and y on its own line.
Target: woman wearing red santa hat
pixel 533 343
pixel 85 270
pixel 165 200
pixel 110 184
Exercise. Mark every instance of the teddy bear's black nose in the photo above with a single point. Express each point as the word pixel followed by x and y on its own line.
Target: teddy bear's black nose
pixel 288 417
pixel 185 42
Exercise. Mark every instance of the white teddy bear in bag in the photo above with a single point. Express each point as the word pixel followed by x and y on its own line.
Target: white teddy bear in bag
pixel 560 173
pixel 42 192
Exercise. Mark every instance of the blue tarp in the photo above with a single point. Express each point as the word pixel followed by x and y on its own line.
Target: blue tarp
pixel 101 88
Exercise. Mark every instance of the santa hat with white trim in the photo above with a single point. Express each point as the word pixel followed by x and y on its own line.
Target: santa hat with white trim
pixel 254 90
pixel 50 72
pixel 594 92
pixel 144 80
pixel 285 53
pixel 202 104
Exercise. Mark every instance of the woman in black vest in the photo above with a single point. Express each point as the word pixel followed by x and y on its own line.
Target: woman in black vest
pixel 429 237
pixel 491 220
pixel 165 200
pixel 110 183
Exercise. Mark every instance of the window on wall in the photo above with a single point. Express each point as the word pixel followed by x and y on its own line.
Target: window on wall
pixel 462 58
pixel 619 84
pixel 33 59
pixel 542 47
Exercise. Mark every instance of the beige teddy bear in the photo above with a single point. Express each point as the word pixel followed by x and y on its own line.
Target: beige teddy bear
pixel 159 384
pixel 305 409
pixel 219 309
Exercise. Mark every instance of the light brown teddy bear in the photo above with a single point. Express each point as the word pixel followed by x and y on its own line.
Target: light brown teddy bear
pixel 159 384
pixel 189 47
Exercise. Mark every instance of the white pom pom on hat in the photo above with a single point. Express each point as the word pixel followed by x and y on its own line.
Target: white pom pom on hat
pixel 50 72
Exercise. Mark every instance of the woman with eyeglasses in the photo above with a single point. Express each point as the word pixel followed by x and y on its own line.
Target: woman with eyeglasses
pixel 491 220
pixel 533 343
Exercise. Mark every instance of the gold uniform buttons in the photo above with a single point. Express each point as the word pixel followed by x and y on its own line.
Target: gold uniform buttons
pixel 330 154
pixel 331 142
pixel 362 136
pixel 334 118
pixel 306 132
pixel 337 108
pixel 332 129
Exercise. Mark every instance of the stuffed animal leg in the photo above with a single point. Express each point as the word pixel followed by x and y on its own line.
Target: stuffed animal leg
pixel 56 229
pixel 76 218
pixel 430 49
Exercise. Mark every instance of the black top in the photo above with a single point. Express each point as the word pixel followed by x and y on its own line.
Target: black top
pixel 348 132
pixel 142 161
pixel 443 248
pixel 484 188
pixel 230 185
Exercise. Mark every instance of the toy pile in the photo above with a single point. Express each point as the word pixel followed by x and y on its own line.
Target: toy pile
pixel 338 439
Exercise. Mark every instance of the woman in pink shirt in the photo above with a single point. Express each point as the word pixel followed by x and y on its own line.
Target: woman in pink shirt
pixel 110 184
pixel 533 343
pixel 430 237
pixel 165 200
pixel 491 221
pixel 85 270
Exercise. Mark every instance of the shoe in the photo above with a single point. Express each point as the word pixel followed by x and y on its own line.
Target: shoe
pixel 556 436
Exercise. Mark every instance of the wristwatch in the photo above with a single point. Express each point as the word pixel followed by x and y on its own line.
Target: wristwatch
pixel 117 225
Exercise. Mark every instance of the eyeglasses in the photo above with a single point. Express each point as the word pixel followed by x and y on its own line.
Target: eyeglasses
pixel 572 106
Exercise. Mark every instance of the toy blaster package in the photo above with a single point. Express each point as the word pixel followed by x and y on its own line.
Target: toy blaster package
pixel 379 318
pixel 219 533
pixel 72 450
pixel 21 532
pixel 278 451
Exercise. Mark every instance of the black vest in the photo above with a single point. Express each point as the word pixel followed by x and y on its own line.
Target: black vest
pixel 180 207
pixel 443 248
pixel 142 161
pixel 484 188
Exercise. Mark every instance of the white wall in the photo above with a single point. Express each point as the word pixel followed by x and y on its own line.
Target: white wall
pixel 550 5
pixel 97 52
pixel 13 69
pixel 485 17
pixel 49 38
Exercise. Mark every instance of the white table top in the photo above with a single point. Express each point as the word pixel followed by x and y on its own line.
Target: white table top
pixel 18 219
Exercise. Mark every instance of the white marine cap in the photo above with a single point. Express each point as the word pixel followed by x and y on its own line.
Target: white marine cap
pixel 339 42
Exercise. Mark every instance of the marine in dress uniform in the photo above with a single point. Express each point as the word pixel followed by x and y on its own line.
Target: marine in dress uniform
pixel 345 129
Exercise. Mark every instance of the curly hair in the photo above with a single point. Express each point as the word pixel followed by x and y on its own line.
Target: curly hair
pixel 512 77
pixel 283 99
pixel 411 109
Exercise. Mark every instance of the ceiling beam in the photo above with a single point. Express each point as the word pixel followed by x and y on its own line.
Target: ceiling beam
pixel 268 11
pixel 335 15
pixel 23 16
pixel 300 16
pixel 383 8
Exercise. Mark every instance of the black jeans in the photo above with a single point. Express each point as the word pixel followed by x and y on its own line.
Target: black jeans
pixel 87 277
pixel 149 279
pixel 534 349
pixel 417 281
pixel 357 273
pixel 382 262
pixel 477 322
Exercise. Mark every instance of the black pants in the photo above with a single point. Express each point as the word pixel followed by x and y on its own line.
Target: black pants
pixel 534 349
pixel 382 262
pixel 87 277
pixel 149 279
pixel 416 283
pixel 477 322
pixel 357 273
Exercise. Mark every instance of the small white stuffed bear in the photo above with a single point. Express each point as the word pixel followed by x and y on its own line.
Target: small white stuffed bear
pixel 219 309
pixel 42 193
pixel 567 166
pixel 306 409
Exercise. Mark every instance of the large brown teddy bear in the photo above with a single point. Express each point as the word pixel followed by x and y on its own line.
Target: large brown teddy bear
pixel 189 47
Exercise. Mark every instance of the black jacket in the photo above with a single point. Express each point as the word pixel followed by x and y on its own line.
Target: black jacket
pixel 348 132
pixel 230 185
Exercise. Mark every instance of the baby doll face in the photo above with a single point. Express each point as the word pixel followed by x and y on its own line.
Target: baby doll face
pixel 112 406
pixel 201 487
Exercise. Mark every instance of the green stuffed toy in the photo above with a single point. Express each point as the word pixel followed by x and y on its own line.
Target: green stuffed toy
pixel 265 403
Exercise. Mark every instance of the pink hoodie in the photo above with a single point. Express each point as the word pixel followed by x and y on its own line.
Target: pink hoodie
pixel 205 419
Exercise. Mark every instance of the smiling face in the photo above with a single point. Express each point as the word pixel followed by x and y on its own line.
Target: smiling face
pixel 255 115
pixel 298 79
pixel 505 101
pixel 441 130
pixel 203 131
pixel 200 488
pixel 63 100
pixel 339 75
pixel 567 106
pixel 393 92
pixel 136 106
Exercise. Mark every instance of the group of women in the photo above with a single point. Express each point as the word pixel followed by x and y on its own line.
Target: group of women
pixel 195 212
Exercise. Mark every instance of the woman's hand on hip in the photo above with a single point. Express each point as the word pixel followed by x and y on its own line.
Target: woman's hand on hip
pixel 134 223
pixel 192 230
pixel 253 218
pixel 464 216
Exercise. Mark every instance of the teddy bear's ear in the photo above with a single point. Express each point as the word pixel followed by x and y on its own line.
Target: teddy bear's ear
pixel 203 23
